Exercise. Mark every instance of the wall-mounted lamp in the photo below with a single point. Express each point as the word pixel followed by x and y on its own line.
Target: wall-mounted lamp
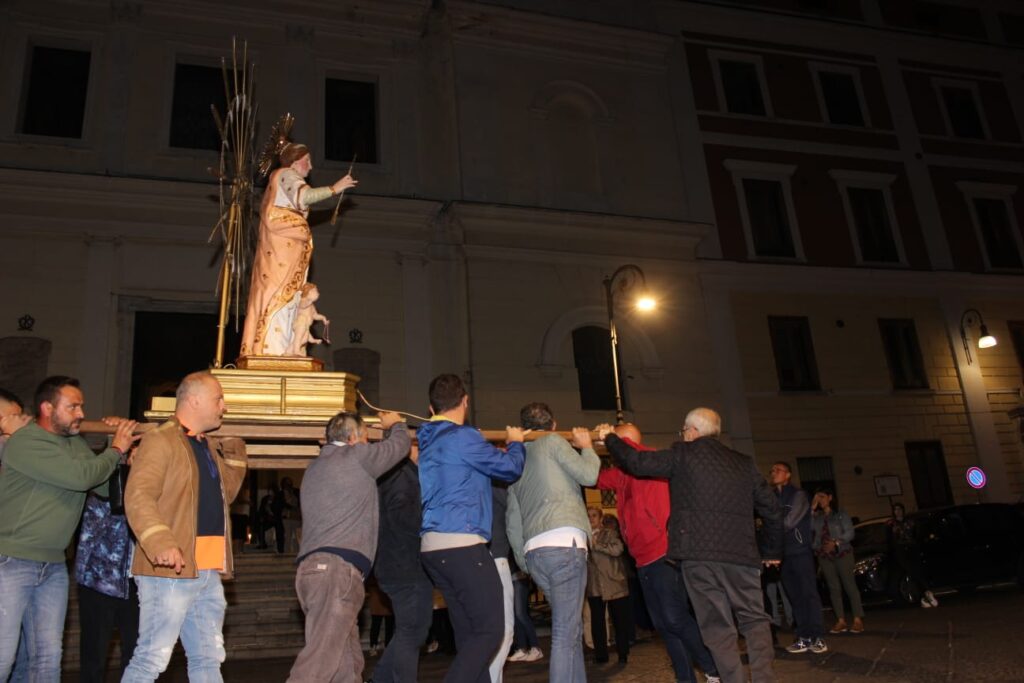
pixel 985 341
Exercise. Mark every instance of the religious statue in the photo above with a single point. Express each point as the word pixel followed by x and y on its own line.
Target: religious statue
pixel 283 252
pixel 305 316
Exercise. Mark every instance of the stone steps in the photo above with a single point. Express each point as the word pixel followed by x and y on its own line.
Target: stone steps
pixel 263 619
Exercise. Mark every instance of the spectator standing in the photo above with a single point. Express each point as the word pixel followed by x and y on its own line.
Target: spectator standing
pixel 399 572
pixel 715 492
pixel 339 540
pixel 798 573
pixel 291 516
pixel 644 507
pixel 607 587
pixel 456 468
pixel 833 532
pixel 549 531
pixel 525 644
pixel 47 470
pixel 179 489
pixel 107 595
pixel 902 534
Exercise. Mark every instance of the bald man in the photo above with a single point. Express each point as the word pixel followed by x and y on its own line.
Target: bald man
pixel 176 500
pixel 643 505
pixel 714 492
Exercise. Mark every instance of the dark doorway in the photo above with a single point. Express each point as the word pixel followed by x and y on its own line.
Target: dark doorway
pixel 168 346
pixel 929 474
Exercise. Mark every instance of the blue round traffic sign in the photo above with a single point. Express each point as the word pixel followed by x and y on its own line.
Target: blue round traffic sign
pixel 976 477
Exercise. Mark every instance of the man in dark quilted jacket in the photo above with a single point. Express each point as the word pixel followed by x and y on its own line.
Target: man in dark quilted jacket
pixel 714 492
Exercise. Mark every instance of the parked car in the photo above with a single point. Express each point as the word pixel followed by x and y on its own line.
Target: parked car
pixel 961 546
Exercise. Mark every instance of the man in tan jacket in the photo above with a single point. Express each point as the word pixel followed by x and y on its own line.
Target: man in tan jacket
pixel 177 499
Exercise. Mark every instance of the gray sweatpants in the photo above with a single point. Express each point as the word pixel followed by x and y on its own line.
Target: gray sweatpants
pixel 726 596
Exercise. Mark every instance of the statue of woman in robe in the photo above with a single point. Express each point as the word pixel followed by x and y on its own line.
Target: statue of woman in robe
pixel 283 252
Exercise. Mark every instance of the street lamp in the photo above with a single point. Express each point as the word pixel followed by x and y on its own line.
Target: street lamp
pixel 643 303
pixel 985 341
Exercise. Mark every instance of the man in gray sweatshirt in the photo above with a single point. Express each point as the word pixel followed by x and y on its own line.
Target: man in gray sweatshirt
pixel 340 514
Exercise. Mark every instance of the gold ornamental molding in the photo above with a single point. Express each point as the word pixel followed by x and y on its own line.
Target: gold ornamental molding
pixel 277 396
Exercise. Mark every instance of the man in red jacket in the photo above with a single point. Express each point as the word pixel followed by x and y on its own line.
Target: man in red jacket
pixel 643 506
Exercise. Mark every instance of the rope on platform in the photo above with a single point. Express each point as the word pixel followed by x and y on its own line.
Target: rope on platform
pixel 385 410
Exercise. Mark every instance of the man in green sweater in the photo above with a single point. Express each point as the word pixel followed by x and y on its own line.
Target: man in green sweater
pixel 47 471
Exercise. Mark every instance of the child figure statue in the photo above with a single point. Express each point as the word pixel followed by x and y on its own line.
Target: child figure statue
pixel 305 315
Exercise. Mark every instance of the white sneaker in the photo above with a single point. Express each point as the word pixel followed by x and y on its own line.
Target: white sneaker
pixel 533 655
pixel 931 598
pixel 712 679
pixel 517 656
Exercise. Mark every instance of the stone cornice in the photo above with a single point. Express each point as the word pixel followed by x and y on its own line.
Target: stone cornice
pixel 382 19
pixel 765 277
pixel 534 229
pixel 550 36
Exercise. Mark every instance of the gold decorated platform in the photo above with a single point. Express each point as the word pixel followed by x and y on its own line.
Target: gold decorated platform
pixel 274 396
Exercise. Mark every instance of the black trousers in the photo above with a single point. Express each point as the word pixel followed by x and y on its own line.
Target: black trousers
pixel 469 581
pixel 622 618
pixel 98 614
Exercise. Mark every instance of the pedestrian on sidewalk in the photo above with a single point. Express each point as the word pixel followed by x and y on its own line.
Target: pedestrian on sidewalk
pixel 833 532
pixel 799 577
pixel 607 586
pixel 907 553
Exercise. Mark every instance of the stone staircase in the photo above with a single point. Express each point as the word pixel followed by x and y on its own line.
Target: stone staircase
pixel 263 619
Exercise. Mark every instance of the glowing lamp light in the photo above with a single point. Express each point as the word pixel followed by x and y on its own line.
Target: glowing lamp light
pixel 986 341
pixel 646 303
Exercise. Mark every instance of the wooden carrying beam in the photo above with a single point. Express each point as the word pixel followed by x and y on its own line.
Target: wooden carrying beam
pixel 294 446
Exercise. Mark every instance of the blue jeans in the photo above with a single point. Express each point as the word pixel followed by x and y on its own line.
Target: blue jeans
pixel 562 574
pixel 525 633
pixel 190 608
pixel 665 595
pixel 33 600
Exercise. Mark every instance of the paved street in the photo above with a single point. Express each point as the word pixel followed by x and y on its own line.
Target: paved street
pixel 975 637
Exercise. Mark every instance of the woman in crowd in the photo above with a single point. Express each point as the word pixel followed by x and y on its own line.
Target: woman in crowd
pixel 607 586
pixel 833 532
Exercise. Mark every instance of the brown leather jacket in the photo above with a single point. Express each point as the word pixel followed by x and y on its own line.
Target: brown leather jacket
pixel 162 497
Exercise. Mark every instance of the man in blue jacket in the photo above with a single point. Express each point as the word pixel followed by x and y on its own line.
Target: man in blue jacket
pixel 798 573
pixel 456 468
